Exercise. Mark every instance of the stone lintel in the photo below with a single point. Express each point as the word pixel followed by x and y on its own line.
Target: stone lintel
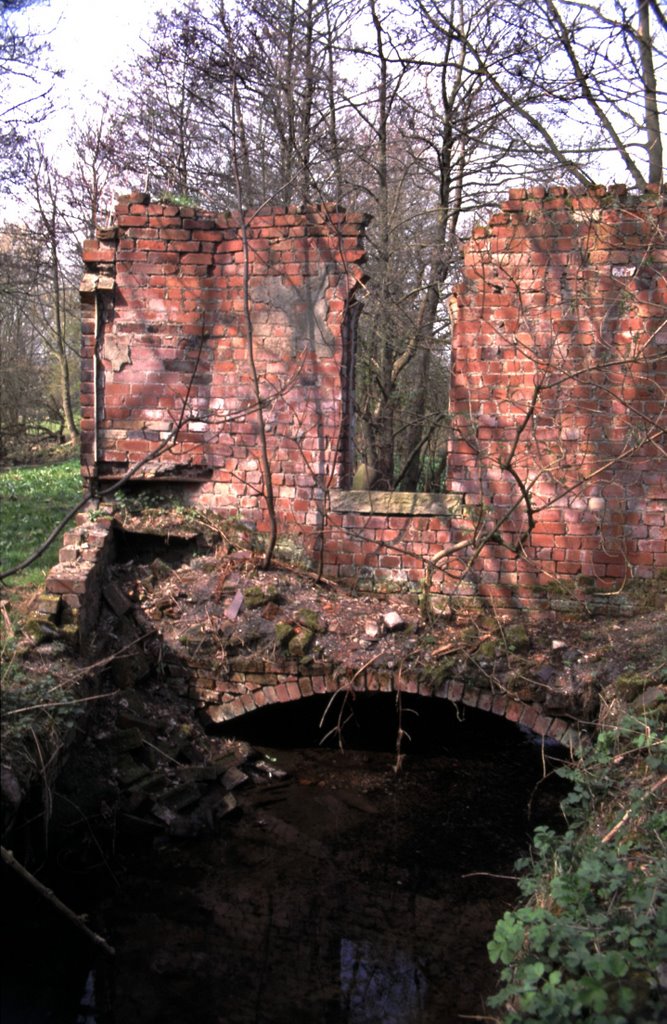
pixel 395 503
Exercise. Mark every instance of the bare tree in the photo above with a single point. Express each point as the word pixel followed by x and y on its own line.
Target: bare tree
pixel 432 148
pixel 248 327
pixel 582 79
pixel 292 81
pixel 97 171
pixel 177 114
pixel 23 362
pixel 420 115
pixel 56 312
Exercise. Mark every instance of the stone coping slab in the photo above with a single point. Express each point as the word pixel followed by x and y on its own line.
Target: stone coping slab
pixel 396 503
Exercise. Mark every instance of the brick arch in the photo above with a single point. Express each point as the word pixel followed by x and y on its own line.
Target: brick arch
pixel 254 684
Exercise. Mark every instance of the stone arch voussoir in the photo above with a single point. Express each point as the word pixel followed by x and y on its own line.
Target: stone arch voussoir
pixel 253 685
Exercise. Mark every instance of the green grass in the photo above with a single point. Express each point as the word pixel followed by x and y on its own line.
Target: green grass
pixel 32 503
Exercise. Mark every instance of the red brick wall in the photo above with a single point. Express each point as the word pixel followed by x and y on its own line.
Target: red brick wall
pixel 174 341
pixel 559 386
pixel 559 379
pixel 558 402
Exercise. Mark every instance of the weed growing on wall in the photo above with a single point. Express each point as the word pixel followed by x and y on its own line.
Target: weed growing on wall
pixel 591 941
pixel 145 501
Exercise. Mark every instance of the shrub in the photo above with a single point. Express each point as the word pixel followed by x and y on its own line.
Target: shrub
pixel 591 941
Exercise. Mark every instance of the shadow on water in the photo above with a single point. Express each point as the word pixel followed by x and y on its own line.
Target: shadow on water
pixel 343 891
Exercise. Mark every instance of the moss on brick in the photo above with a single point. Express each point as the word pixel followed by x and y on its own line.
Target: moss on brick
pixel 311 619
pixel 256 597
pixel 517 637
pixel 284 632
pixel 300 644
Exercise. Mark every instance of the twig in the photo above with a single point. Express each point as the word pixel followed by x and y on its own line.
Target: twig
pixel 299 570
pixel 490 874
pixel 162 753
pixel 366 664
pixel 58 703
pixel 340 724
pixel 447 649
pixel 612 831
pixel 47 796
pixel 6 619
pixel 116 655
pixel 76 919
pixel 475 1016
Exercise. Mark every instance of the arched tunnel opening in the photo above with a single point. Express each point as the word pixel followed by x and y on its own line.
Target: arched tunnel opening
pixel 356 720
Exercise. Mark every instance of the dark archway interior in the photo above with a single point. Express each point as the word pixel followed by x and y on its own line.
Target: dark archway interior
pixel 143 547
pixel 371 721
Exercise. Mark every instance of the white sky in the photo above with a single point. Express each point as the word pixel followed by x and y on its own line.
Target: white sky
pixel 88 40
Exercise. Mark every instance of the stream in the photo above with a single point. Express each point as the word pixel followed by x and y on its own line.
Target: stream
pixel 340 891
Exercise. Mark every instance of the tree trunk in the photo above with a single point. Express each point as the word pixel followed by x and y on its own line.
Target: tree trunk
pixel 653 136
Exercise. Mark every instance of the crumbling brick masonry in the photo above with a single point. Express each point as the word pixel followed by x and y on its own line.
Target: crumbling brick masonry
pixel 557 474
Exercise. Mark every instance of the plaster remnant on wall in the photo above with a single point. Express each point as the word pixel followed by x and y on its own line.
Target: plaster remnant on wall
pixel 304 308
pixel 88 284
pixel 117 353
pixel 96 283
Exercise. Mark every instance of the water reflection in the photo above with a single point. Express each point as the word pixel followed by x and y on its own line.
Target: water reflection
pixel 377 983
pixel 343 893
pixel 86 1014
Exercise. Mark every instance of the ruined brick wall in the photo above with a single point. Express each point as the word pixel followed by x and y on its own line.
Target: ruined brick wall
pixel 559 380
pixel 165 308
pixel 559 387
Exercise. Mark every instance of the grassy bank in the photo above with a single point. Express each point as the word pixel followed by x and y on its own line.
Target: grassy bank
pixel 32 502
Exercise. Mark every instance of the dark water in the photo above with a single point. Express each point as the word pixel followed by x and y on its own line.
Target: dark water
pixel 342 893
pixel 45 964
